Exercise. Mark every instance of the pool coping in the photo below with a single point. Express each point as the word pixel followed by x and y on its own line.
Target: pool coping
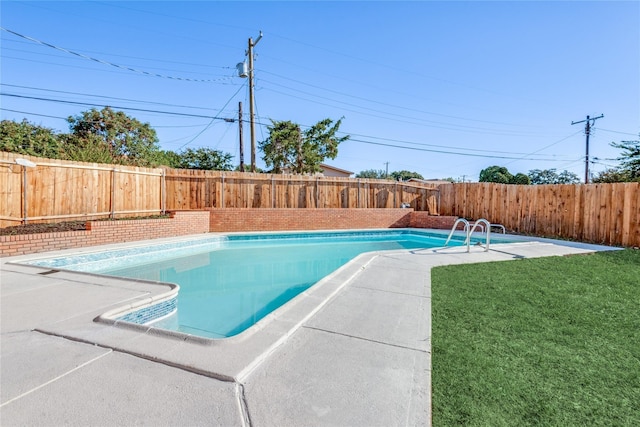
pixel 229 359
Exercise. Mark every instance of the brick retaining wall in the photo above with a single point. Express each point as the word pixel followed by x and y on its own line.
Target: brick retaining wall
pixel 246 219
pixel 220 220
pixel 424 220
pixel 180 223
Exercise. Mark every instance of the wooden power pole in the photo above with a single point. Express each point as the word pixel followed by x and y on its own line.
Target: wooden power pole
pixel 587 131
pixel 240 134
pixel 252 102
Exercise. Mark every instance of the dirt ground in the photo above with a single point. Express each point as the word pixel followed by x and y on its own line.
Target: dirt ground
pixel 43 228
pixel 58 226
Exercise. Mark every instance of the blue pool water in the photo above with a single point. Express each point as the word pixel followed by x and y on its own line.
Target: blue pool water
pixel 228 283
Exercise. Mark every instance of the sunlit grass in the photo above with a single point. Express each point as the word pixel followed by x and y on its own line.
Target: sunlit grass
pixel 549 341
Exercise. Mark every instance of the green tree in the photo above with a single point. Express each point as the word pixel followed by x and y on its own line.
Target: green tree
pixel 205 159
pixel 630 158
pixel 550 176
pixel 498 174
pixel 612 175
pixel 372 174
pixel 290 148
pixel 112 137
pixel 405 175
pixel 169 158
pixel 520 179
pixel 29 139
pixel 566 177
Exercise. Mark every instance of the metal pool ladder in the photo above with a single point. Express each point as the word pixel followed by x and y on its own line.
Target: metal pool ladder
pixel 469 229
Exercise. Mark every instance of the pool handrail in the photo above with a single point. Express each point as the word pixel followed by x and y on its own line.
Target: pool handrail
pixel 453 229
pixel 470 232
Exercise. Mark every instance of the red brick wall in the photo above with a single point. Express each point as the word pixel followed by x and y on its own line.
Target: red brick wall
pixel 424 220
pixel 246 219
pixel 220 220
pixel 104 232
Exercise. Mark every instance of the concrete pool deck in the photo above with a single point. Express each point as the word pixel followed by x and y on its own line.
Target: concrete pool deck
pixel 353 351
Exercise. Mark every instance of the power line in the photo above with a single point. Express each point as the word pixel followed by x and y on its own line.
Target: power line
pixel 32 114
pixel 190 64
pixel 65 119
pixel 378 102
pixel 105 97
pixel 446 146
pixel 413 120
pixel 545 147
pixel 212 119
pixel 61 101
pixel 622 133
pixel 451 147
pixel 449 152
pixel 58 56
pixel 90 58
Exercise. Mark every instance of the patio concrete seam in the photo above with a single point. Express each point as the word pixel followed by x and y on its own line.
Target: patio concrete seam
pixel 367 339
pixel 390 292
pixel 18 331
pixel 243 406
pixel 204 373
pixel 56 378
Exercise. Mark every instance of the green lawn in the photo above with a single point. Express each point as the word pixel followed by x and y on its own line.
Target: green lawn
pixel 549 341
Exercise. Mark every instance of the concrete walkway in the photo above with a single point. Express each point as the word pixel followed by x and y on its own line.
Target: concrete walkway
pixel 352 351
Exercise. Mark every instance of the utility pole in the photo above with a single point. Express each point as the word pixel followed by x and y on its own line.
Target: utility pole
pixel 252 44
pixel 587 131
pixel 240 133
pixel 386 171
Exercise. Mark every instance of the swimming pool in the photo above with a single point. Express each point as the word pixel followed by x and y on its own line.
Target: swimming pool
pixel 228 283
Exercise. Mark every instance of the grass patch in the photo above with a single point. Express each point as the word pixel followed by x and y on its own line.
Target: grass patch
pixel 548 342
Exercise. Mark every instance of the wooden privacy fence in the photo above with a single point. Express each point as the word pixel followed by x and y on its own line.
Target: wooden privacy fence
pixel 55 190
pixel 600 213
pixel 194 189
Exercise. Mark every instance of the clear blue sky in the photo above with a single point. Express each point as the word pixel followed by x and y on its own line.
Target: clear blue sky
pixel 441 88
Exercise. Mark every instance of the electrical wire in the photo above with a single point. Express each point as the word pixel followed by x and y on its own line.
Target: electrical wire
pixel 106 97
pixel 622 133
pixel 32 114
pixel 450 152
pixel 355 140
pixel 173 113
pixel 545 147
pixel 190 64
pixel 376 102
pixel 441 146
pixel 211 122
pixel 53 55
pixel 90 58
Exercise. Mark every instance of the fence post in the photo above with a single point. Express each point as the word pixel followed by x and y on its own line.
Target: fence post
pixel 163 191
pixel 113 193
pixel 273 194
pixel 395 190
pixel 222 192
pixel 317 193
pixel 25 215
